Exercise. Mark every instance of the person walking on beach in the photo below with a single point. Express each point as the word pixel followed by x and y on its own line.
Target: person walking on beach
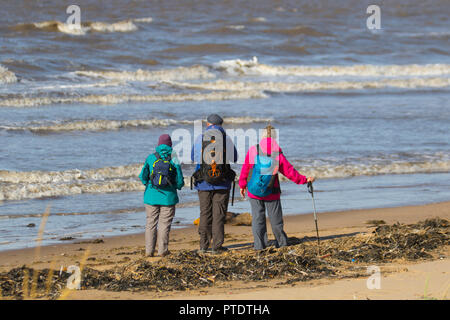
pixel 259 177
pixel 162 177
pixel 212 152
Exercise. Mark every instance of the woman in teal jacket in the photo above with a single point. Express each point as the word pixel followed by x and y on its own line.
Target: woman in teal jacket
pixel 160 201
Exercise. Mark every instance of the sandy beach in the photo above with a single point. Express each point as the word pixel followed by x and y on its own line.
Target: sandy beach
pixel 400 279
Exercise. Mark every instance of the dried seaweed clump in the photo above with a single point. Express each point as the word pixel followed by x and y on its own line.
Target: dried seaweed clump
pixel 398 241
pixel 27 282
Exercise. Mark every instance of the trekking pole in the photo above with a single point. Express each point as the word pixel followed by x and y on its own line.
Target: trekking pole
pixel 232 193
pixel 311 190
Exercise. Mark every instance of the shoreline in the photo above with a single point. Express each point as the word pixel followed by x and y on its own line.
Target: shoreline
pixel 176 228
pixel 348 221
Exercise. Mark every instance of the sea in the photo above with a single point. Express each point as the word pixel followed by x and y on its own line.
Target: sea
pixel 358 92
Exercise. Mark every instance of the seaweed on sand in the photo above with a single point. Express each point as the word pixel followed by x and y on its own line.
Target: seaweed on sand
pixel 397 241
pixel 186 269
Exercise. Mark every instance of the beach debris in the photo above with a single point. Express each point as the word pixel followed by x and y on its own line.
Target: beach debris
pixel 346 257
pixel 229 216
pixel 95 241
pixel 235 219
pixel 375 222
pixel 243 219
pixel 66 238
pixel 18 283
pixel 397 241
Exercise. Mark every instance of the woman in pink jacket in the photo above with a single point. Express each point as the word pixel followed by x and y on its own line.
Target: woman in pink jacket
pixel 271 202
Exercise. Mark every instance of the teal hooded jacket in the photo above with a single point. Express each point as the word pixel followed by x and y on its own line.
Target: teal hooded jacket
pixel 166 196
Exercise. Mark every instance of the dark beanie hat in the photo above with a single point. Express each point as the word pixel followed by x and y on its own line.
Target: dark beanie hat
pixel 165 139
pixel 214 119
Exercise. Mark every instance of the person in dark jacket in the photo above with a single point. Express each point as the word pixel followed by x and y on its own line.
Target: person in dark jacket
pixel 213 197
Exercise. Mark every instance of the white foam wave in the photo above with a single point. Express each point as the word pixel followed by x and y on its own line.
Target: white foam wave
pixel 253 67
pixel 179 74
pixel 409 83
pixel 258 19
pixel 111 99
pixel 69 176
pixel 103 125
pixel 7 76
pixel 18 185
pixel 143 20
pixel 37 184
pixel 236 27
pixel 87 27
pixel 351 170
pixel 82 86
pixel 36 191
pixel 121 26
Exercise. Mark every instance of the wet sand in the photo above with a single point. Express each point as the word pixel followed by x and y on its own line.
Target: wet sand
pixel 402 280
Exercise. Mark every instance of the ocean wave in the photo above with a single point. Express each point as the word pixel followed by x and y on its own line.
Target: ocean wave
pixel 69 176
pixel 18 185
pixel 111 99
pixel 253 67
pixel 257 19
pixel 372 169
pixel 409 83
pixel 7 76
pixel 82 86
pixel 180 73
pixel 104 125
pixel 84 28
pixel 36 191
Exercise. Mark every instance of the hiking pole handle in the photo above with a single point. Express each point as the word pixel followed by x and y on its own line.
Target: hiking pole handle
pixel 310 187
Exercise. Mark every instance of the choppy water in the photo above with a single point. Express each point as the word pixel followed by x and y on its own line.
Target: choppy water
pixel 367 112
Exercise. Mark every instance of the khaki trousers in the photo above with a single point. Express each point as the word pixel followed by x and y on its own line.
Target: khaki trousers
pixel 159 221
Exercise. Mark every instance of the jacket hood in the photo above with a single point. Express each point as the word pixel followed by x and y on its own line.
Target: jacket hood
pixel 164 151
pixel 217 127
pixel 269 145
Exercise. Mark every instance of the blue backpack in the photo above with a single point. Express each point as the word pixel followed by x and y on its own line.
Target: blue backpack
pixel 263 176
pixel 163 173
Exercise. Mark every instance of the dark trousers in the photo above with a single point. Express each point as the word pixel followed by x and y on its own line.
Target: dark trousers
pixel 259 227
pixel 213 209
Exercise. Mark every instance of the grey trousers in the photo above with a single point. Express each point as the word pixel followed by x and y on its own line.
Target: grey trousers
pixel 259 227
pixel 213 209
pixel 157 228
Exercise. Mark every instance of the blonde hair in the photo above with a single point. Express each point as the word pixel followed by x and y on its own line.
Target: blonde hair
pixel 269 132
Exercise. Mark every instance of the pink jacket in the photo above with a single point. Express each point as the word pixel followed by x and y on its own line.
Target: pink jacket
pixel 269 145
